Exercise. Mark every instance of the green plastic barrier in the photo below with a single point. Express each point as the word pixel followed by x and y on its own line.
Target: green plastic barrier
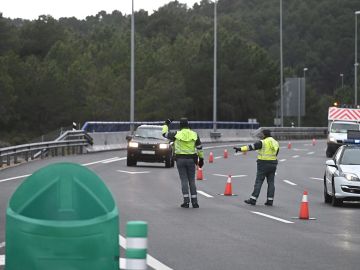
pixel 62 217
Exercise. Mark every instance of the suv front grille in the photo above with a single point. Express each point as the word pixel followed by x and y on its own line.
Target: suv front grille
pixel 147 146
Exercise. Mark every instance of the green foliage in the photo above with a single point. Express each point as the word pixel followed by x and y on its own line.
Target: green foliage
pixel 53 72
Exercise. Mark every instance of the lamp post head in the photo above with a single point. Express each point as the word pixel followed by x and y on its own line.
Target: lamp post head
pixel 357 12
pixel 305 69
pixel 341 74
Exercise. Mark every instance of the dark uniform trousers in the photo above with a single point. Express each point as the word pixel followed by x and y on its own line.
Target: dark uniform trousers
pixel 186 169
pixel 265 168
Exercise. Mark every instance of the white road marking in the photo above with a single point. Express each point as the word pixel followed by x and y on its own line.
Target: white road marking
pixel 219 146
pixel 222 175
pixel 205 194
pixel 232 176
pixel 290 183
pixel 132 172
pixel 218 157
pixel 2 244
pixel 100 161
pixel 272 217
pixel 316 178
pixel 13 178
pixel 151 261
pixel 310 153
pixel 2 259
pixel 113 160
pixel 282 160
pixel 296 156
pixel 300 149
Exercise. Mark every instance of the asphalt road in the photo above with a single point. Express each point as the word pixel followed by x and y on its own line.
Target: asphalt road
pixel 224 233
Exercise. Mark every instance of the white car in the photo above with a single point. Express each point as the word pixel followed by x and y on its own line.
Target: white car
pixel 342 176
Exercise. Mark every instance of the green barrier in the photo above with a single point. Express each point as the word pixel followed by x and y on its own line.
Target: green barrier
pixel 62 217
pixel 136 245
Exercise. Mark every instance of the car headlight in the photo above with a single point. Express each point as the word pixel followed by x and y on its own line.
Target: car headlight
pixel 133 144
pixel 350 176
pixel 163 146
pixel 331 139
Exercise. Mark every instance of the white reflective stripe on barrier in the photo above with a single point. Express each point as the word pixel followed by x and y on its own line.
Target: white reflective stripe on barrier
pixel 305 198
pixel 136 242
pixel 135 264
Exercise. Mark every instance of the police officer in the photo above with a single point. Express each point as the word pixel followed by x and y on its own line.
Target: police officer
pixel 188 153
pixel 268 149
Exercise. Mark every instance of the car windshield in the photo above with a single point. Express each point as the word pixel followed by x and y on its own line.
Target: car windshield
pixel 351 156
pixel 343 128
pixel 149 133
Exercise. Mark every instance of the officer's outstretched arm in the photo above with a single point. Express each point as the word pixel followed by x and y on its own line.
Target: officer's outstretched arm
pixel 255 146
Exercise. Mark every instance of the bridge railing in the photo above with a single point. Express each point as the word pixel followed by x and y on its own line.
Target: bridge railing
pixel 70 142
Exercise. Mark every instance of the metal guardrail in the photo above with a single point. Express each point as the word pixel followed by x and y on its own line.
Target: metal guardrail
pixel 71 142
pixel 286 133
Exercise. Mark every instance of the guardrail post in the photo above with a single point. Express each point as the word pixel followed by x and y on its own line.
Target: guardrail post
pixel 8 160
pixel 136 245
pixel 1 161
pixel 15 158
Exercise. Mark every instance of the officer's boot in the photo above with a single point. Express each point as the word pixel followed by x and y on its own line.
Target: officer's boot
pixel 269 202
pixel 250 201
pixel 195 204
pixel 185 204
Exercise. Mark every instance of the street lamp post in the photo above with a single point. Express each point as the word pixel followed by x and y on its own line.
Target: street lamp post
pixel 342 80
pixel 281 69
pixel 215 67
pixel 132 87
pixel 356 61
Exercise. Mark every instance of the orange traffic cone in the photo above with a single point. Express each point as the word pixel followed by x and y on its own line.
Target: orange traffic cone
pixel 228 188
pixel 289 145
pixel 199 174
pixel 225 153
pixel 211 157
pixel 304 207
pixel 313 142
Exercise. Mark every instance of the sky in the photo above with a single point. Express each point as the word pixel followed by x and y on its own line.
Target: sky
pixel 31 9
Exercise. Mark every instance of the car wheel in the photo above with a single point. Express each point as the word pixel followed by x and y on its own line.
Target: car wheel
pixel 130 162
pixel 329 154
pixel 335 201
pixel 327 197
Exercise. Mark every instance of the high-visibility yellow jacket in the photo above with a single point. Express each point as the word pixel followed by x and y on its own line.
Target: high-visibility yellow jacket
pixel 268 149
pixel 187 142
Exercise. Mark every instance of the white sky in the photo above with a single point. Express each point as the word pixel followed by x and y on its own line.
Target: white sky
pixel 31 9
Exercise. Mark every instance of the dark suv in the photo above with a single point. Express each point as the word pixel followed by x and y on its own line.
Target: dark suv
pixel 148 145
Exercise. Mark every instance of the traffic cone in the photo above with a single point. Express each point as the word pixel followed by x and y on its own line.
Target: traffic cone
pixel 225 153
pixel 304 207
pixel 199 174
pixel 211 157
pixel 313 141
pixel 228 188
pixel 289 145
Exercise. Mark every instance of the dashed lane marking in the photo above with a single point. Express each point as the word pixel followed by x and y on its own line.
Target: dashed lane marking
pixel 282 160
pixel 113 160
pixel 13 178
pixel 99 161
pixel 218 157
pixel 272 217
pixel 290 183
pixel 2 259
pixel 296 156
pixel 205 194
pixel 316 178
pixel 133 172
pixel 2 244
pixel 310 153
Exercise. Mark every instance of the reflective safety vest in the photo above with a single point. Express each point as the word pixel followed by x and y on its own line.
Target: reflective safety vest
pixel 185 142
pixel 269 149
